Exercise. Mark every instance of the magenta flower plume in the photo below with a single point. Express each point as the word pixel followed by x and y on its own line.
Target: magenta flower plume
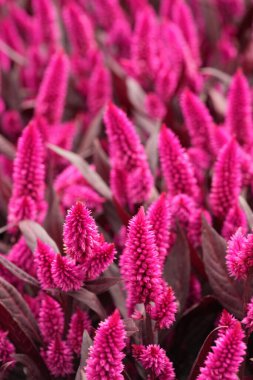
pixel 197 119
pixel 99 88
pixel 226 356
pixel 239 113
pixel 248 319
pixel 21 255
pixel 79 233
pixel 105 356
pixel 58 358
pixel 234 219
pixel 165 309
pixel 79 322
pixel 52 92
pixel 176 167
pixel 66 274
pixel 153 358
pixel 7 350
pixel 128 156
pixel 140 266
pixel 226 320
pixel 51 319
pixel 159 217
pixel 103 255
pixel 27 200
pixel 44 256
pixel 226 183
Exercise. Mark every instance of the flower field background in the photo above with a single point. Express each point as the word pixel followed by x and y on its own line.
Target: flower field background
pixel 126 189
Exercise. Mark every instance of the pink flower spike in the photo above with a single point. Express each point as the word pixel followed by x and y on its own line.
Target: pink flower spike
pixel 140 266
pixel 102 257
pixel 154 359
pixel 79 233
pixel 22 256
pixel 7 350
pixel 176 167
pixel 44 256
pixel 79 322
pixel 159 217
pixel 27 200
pixel 105 356
pixel 239 113
pixel 227 320
pixel 226 356
pixel 226 183
pixel 51 319
pixel 53 88
pixel 197 119
pixel 99 89
pixel 165 309
pixel 234 219
pixel 248 319
pixel 66 274
pixel 58 358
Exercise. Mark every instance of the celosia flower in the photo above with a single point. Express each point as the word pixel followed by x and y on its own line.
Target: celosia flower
pixel 22 256
pixel 176 167
pixel 66 274
pixel 154 106
pixel 44 256
pixel 105 356
pixel 239 113
pixel 51 319
pixel 106 12
pixel 79 322
pixel 226 356
pixel 140 266
pixel 159 216
pixel 165 308
pixel 80 233
pixel 128 156
pixel 27 200
pixel 248 319
pixel 53 88
pixel 226 320
pixel 226 183
pixel 7 350
pixel 58 358
pixel 234 219
pixel 153 358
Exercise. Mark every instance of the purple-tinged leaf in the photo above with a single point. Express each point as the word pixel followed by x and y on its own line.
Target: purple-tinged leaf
pixel 32 231
pixel 32 371
pixel 226 290
pixel 90 175
pixel 89 299
pixel 177 268
pixel 101 285
pixel 151 149
pixel 247 210
pixel 136 94
pixel 93 131
pixel 122 213
pixel 101 161
pixel 86 344
pixel 130 327
pixel 19 273
pixel 6 148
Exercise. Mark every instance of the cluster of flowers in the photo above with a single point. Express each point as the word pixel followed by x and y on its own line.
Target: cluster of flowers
pixel 126 183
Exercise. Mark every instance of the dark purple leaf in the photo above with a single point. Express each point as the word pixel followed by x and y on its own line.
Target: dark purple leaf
pixel 90 300
pixel 32 231
pixel 92 132
pixel 86 344
pixel 151 148
pixel 6 148
pixel 101 161
pixel 226 290
pixel 19 273
pixel 32 371
pixel 130 327
pixel 101 285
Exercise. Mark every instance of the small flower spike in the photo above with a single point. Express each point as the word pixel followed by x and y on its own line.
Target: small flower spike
pixel 58 358
pixel 79 322
pixel 53 88
pixel 27 200
pixel 234 219
pixel 239 114
pixel 248 319
pixel 224 360
pixel 66 274
pixel 140 266
pixel 128 156
pixel 44 256
pixel 176 167
pixel 226 183
pixel 105 356
pixel 51 319
pixel 153 358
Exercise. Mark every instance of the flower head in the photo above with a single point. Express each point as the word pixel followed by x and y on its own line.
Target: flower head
pixel 44 256
pixel 234 219
pixel 66 274
pixel 58 358
pixel 79 322
pixel 51 319
pixel 248 319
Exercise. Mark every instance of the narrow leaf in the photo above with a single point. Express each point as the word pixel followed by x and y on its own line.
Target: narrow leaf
pixel 32 371
pixel 101 285
pixel 130 327
pixel 90 300
pixel 32 231
pixel 19 273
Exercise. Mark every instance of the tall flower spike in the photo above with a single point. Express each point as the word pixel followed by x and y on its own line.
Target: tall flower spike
pixel 79 322
pixel 27 200
pixel 79 233
pixel 99 88
pixel 234 219
pixel 198 120
pixel 66 274
pixel 128 155
pixel 7 350
pixel 226 183
pixel 239 113
pixel 51 319
pixel 44 256
pixel 58 358
pixel 153 358
pixel 105 356
pixel 248 319
pixel 159 217
pixel 140 266
pixel 52 92
pixel 176 167
pixel 224 360
pixel 22 256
